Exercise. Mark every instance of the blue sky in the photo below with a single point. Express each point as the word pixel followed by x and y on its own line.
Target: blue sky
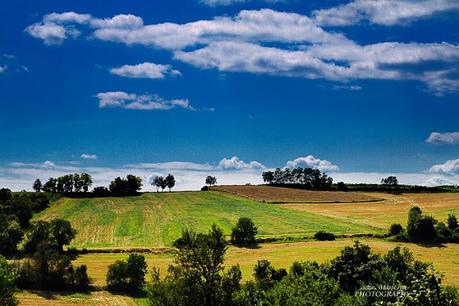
pixel 360 89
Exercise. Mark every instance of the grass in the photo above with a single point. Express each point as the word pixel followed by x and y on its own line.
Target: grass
pixel 272 194
pixel 445 258
pixel 394 209
pixel 157 219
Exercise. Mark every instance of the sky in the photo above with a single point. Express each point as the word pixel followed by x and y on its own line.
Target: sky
pixel 359 89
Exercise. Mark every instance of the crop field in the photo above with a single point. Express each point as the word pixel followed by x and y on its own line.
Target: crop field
pixel 394 209
pixel 157 219
pixel 445 257
pixel 94 298
pixel 271 194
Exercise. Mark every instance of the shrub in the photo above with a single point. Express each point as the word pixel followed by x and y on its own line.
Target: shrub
pixel 323 235
pixel 341 186
pixel 421 228
pixel 7 283
pixel 10 234
pixel 127 275
pixel 452 222
pixel 244 232
pixel 205 188
pixel 81 279
pixel 395 229
pixel 100 192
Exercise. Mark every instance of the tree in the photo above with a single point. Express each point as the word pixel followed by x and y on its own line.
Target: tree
pixel 127 275
pixel 390 181
pixel 170 181
pixel 10 234
pixel 37 185
pixel 244 232
pixel 211 180
pixel 50 185
pixel 133 184
pixel 7 283
pixel 117 186
pixel 86 181
pixel 268 177
pixel 60 233
pixel 452 222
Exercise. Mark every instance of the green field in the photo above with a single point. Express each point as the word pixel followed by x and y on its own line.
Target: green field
pixel 157 219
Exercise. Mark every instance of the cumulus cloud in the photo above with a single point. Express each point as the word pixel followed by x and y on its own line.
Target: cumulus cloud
pixel 312 162
pixel 145 70
pixel 298 47
pixel 125 100
pixel 449 167
pixel 443 138
pixel 383 12
pixel 49 164
pixel 234 163
pixel 88 156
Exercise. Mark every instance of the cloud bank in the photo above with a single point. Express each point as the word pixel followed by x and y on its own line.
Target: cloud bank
pixel 269 42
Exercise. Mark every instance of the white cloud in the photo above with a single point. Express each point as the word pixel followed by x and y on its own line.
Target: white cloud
pixel 312 162
pixel 145 70
pixel 298 48
pixel 88 156
pixel 124 100
pixel 51 33
pixel 443 138
pixel 449 167
pixel 49 164
pixel 234 163
pixel 383 12
pixel 231 2
pixel 439 181
pixel 3 69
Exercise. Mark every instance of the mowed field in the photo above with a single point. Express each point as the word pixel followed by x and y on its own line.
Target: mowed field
pixel 394 209
pixel 157 219
pixel 444 257
pixel 271 194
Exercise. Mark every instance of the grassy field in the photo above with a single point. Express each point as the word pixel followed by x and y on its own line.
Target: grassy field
pixel 445 258
pixel 394 209
pixel 156 219
pixel 271 194
pixel 94 298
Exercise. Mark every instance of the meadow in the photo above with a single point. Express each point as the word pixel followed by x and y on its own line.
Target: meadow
pixel 157 219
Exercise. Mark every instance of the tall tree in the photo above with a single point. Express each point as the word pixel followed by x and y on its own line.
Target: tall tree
pixel 170 181
pixel 37 185
pixel 211 180
pixel 86 181
pixel 157 182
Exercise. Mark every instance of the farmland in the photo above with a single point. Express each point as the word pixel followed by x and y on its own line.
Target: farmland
pixel 157 219
pixel 270 194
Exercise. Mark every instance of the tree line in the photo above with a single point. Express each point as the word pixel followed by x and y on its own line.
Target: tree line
pixel 70 183
pixel 302 177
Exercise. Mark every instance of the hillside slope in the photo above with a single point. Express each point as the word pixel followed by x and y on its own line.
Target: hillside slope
pixel 156 219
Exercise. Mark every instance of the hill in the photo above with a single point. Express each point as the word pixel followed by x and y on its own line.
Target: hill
pixel 278 195
pixel 157 219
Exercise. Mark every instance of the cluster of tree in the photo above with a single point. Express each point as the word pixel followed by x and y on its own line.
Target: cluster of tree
pixel 244 233
pixel 16 210
pixel 129 186
pixel 161 182
pixel 127 275
pixel 70 183
pixel 44 264
pixel 299 177
pixel 422 228
pixel 198 277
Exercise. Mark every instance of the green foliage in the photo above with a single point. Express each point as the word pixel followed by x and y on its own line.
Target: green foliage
pixel 421 228
pixel 266 276
pixel 324 236
pixel 244 233
pixel 7 284
pixel 10 234
pixel 69 183
pixel 302 177
pixel 127 275
pixel 452 222
pixel 395 229
pixel 37 185
pixel 211 180
pixel 125 187
pixel 56 233
pixel 197 277
pixel 170 181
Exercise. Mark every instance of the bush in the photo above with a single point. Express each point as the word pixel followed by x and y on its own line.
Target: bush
pixel 205 188
pixel 244 232
pixel 81 280
pixel 100 192
pixel 323 235
pixel 127 275
pixel 7 284
pixel 10 234
pixel 452 222
pixel 421 228
pixel 395 229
